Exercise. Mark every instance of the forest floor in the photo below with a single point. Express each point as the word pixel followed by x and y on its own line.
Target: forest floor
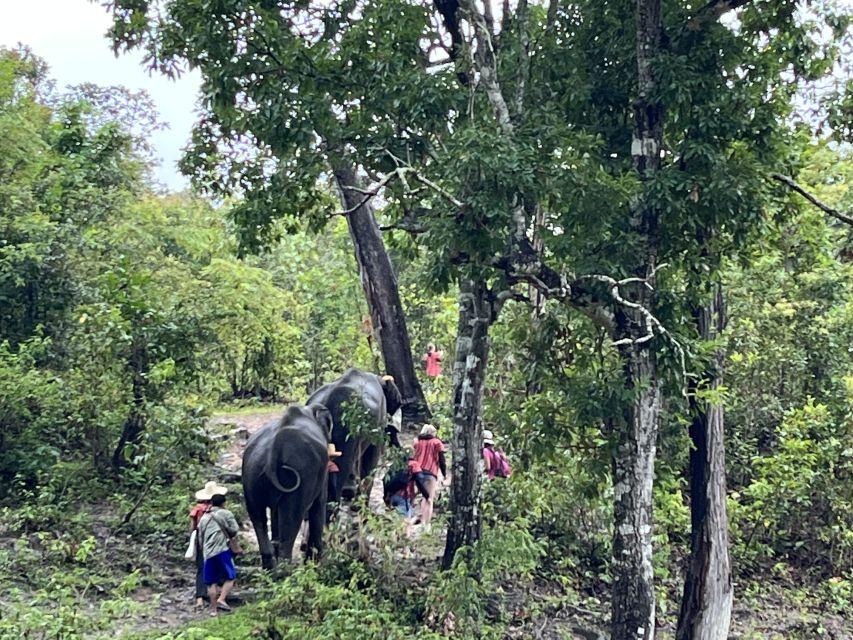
pixel 764 613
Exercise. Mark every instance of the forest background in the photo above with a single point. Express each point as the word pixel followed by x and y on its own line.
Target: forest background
pixel 128 317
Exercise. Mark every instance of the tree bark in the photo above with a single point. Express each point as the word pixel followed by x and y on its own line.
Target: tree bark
pixel 706 604
pixel 138 365
pixel 380 289
pixel 476 314
pixel 633 604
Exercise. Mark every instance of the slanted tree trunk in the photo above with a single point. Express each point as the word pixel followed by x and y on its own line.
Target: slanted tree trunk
pixel 477 312
pixel 706 604
pixel 138 365
pixel 633 605
pixel 380 289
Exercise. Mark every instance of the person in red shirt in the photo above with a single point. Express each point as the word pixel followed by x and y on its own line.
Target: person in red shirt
pixel 433 361
pixel 429 456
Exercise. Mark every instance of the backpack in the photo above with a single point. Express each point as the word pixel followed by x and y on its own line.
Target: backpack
pixel 397 470
pixel 502 467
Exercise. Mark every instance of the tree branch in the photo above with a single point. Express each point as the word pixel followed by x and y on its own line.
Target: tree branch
pixel 835 213
pixel 524 54
pixel 488 65
pixel 448 10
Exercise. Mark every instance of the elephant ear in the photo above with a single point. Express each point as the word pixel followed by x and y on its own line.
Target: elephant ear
pixel 393 398
pixel 323 417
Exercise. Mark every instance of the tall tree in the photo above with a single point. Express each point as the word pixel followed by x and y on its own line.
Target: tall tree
pixel 706 605
pixel 388 322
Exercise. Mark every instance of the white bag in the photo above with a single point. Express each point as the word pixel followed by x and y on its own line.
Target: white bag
pixel 189 554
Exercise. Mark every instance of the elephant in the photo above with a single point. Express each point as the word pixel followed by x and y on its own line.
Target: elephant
pixel 360 403
pixel 284 469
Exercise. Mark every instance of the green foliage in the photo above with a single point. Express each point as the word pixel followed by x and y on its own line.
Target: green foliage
pixel 797 506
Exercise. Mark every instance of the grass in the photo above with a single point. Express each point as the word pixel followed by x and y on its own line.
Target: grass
pixel 247 409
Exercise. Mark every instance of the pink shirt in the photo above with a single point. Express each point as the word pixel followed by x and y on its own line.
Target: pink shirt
pixel 433 364
pixel 489 454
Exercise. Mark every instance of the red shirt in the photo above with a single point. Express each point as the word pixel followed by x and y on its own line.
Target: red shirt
pixel 197 512
pixel 433 364
pixel 426 454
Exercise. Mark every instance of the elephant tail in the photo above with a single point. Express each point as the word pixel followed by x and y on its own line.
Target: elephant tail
pixel 286 479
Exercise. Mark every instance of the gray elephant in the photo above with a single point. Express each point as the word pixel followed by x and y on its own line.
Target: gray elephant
pixel 284 469
pixel 360 403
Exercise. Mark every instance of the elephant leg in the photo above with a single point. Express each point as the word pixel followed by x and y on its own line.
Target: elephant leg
pixel 274 531
pixel 369 461
pixel 259 522
pixel 289 522
pixel 316 522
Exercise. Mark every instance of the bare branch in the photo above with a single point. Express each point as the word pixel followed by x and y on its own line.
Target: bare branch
pixel 835 213
pixel 488 64
pixel 524 62
pixel 489 18
pixel 407 225
pixel 509 294
pixel 441 191
pixel 368 194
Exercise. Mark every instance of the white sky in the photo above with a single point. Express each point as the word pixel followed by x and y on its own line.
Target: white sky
pixel 69 35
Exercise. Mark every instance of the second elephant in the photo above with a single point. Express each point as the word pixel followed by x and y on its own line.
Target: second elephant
pixel 360 403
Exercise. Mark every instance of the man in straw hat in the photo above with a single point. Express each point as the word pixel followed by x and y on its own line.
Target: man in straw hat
pixel 202 497
pixel 216 528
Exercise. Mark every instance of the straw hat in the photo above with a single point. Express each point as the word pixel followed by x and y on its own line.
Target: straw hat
pixel 428 430
pixel 210 489
pixel 387 378
pixel 488 438
pixel 333 453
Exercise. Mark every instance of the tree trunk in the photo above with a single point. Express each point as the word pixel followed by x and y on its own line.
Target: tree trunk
pixel 706 604
pixel 380 289
pixel 476 314
pixel 633 614
pixel 135 424
pixel 633 605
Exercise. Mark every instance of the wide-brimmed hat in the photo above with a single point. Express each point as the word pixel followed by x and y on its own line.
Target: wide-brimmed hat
pixel 210 489
pixel 488 438
pixel 428 430
pixel 334 453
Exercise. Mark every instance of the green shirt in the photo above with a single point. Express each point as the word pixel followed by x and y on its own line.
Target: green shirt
pixel 213 538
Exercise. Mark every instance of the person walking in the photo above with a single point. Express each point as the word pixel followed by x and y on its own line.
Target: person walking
pixel 496 464
pixel 433 361
pixel 216 529
pixel 429 460
pixel 201 507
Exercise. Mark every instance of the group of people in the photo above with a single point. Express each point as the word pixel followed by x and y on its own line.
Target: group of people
pixel 216 529
pixel 420 474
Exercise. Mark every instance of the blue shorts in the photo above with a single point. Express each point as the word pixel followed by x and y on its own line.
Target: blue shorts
pixel 402 505
pixel 219 569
